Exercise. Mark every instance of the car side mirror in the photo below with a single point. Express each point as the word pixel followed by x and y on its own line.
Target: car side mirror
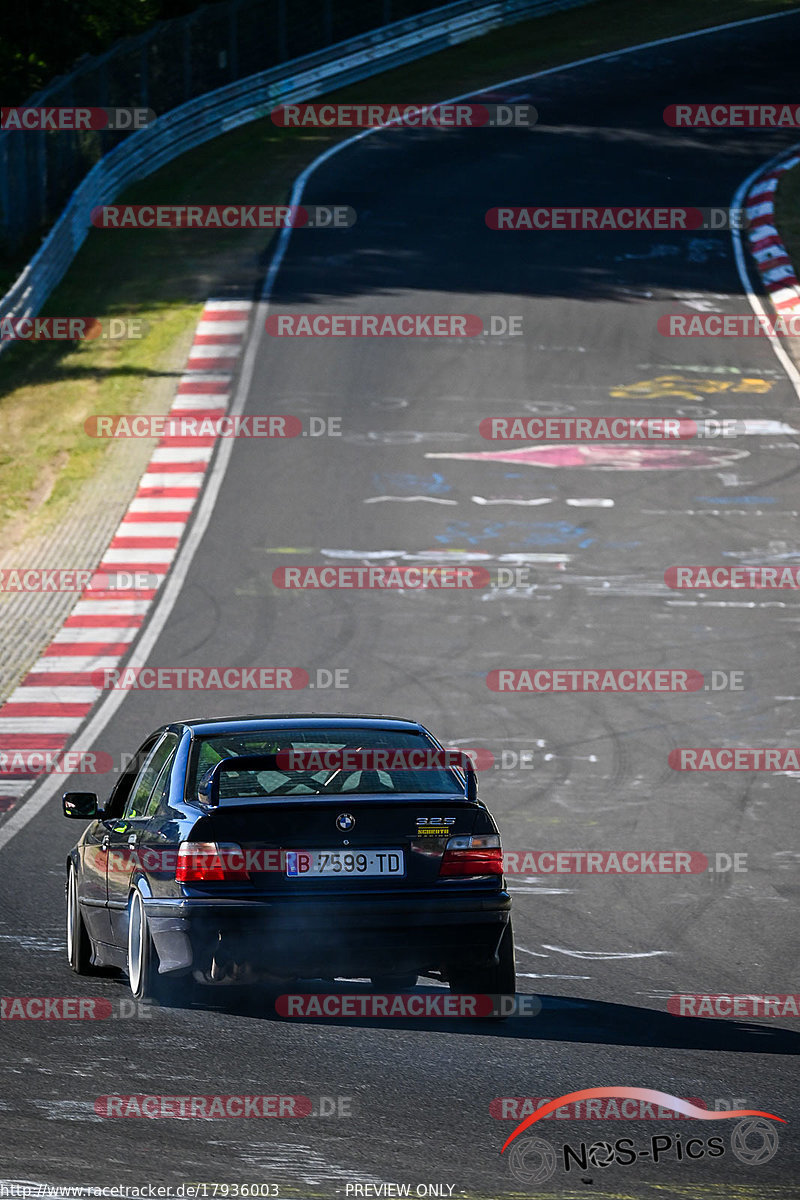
pixel 82 806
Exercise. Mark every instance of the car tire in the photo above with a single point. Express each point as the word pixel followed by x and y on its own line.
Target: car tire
pixel 145 982
pixel 498 978
pixel 394 983
pixel 79 944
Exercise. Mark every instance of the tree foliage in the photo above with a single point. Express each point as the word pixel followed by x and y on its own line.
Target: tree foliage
pixel 42 40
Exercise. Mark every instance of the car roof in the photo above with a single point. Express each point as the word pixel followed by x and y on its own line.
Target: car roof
pixel 241 724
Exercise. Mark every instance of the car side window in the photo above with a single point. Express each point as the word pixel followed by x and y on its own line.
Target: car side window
pixel 159 792
pixel 152 780
pixel 122 788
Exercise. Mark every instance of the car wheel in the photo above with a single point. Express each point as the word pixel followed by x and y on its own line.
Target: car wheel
pixel 498 978
pixel 145 982
pixel 394 983
pixel 79 944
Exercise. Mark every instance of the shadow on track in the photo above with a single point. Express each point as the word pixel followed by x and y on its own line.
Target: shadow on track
pixel 561 1019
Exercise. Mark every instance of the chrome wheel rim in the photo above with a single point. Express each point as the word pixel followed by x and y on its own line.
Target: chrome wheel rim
pixel 135 943
pixel 72 900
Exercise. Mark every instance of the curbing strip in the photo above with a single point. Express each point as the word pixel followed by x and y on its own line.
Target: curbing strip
pixel 771 257
pixel 101 625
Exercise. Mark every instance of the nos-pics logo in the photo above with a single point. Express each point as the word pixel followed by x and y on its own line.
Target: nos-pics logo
pixel 753 1140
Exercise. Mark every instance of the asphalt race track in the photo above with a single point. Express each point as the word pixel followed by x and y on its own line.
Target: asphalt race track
pixel 592 542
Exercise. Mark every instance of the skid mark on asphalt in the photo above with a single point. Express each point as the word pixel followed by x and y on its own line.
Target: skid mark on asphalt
pixel 575 502
pixel 533 975
pixel 447 553
pixel 67 1110
pixel 730 604
pixel 607 955
pixel 534 891
pixel 502 500
pixel 288 1160
pixel 24 942
pixel 718 512
pixel 733 500
pixel 408 500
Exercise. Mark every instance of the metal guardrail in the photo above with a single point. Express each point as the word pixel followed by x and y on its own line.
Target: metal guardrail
pixel 214 113
pixel 168 64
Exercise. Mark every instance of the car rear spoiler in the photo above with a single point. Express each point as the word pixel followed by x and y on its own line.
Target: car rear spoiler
pixel 208 788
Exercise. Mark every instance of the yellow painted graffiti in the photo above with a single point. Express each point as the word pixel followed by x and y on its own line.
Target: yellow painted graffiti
pixel 678 387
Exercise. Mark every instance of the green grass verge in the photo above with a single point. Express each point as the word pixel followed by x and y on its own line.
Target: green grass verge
pixel 49 389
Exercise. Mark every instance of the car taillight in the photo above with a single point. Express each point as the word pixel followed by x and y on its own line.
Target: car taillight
pixel 473 854
pixel 204 862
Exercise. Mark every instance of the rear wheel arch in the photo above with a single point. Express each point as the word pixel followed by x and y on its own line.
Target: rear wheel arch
pixel 146 983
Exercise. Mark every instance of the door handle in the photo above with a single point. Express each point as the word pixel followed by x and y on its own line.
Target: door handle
pixel 133 839
pixel 105 841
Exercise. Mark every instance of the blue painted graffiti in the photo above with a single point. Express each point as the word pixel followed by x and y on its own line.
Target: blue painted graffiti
pixel 514 533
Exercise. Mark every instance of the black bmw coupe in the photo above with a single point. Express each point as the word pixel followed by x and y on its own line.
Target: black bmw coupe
pixel 276 848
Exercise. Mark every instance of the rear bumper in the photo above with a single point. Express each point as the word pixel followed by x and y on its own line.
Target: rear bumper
pixel 331 937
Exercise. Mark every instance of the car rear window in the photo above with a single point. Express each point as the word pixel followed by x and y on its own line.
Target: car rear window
pixel 328 780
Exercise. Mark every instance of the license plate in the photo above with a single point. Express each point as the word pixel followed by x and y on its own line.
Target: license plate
pixel 310 864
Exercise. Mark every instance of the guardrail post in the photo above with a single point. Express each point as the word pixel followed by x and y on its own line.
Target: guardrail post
pixel 283 52
pixel 233 40
pixel 144 73
pixel 5 195
pixel 103 96
pixel 187 61
pixel 41 177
